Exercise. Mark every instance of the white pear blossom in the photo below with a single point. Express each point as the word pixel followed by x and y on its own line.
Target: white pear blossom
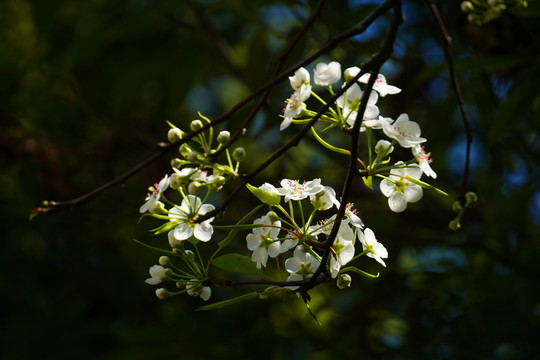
pixel 406 132
pixel 380 85
pixel 325 199
pixel 301 76
pixel 186 214
pixel 293 189
pixel 327 74
pixel 152 198
pixel 301 266
pixel 420 154
pixel 375 249
pixel 263 240
pixel 350 213
pixel 402 191
pixel 158 274
pixel 343 247
pixel 196 289
pixel 295 105
pixel 350 102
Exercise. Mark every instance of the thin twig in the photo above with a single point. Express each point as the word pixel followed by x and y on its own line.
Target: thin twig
pixel 455 85
pixel 52 206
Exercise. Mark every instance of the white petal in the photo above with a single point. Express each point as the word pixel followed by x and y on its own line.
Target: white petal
pixel 413 193
pixel 273 249
pixel 387 187
pixel 260 255
pixel 182 232
pixel 253 241
pixel 205 293
pixel 397 202
pixel 203 231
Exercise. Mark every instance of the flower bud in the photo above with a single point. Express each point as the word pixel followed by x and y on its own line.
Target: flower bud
pixel 457 207
pixel 223 137
pixel 217 183
pixel 381 147
pixel 190 255
pixel 177 163
pixel 174 135
pixel 350 73
pixel 194 187
pixel 239 154
pixel 470 198
pixel 164 261
pixel 454 225
pixel 344 281
pixel 158 208
pixel 185 150
pixel 467 7
pixel 196 125
pixel 162 293
pixel 192 156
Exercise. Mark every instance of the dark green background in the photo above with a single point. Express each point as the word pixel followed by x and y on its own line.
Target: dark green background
pixel 85 89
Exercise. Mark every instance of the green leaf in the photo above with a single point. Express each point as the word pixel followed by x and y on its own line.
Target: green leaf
pixel 312 314
pixel 165 227
pixel 266 197
pixel 236 263
pixel 233 232
pixel 368 181
pixel 229 302
pixel 328 146
pixel 425 185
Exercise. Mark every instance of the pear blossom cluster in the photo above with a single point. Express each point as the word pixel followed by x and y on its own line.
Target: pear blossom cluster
pixel 180 200
pixel 400 181
pixel 278 235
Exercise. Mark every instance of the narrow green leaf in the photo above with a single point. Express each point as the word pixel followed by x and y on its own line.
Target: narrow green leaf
pixel 236 263
pixel 233 232
pixel 266 197
pixel 312 314
pixel 229 302
pixel 425 185
pixel 328 146
pixel 165 227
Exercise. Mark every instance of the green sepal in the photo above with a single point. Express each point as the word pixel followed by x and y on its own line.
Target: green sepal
pixel 165 227
pixel 171 124
pixel 229 302
pixel 234 231
pixel 236 263
pixel 425 185
pixel 203 117
pixel 266 197
pixel 368 181
pixel 359 272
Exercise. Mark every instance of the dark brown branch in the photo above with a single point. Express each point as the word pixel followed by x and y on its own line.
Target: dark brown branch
pixel 455 86
pixel 282 58
pixel 375 64
pixel 358 29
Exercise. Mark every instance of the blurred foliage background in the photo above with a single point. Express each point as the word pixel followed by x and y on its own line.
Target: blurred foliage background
pixel 86 87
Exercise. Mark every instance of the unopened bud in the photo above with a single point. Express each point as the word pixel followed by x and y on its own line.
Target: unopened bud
pixel 272 216
pixel 239 154
pixel 454 225
pixel 162 293
pixel 350 73
pixel 467 7
pixel 223 137
pixel 190 255
pixel 192 156
pixel 194 187
pixel 196 125
pixel 164 261
pixel 185 150
pixel 158 208
pixel 344 281
pixel 174 135
pixel 456 206
pixel 471 197
pixel 381 147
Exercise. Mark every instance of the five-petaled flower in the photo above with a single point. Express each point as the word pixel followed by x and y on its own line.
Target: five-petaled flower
pixel 343 248
pixel 152 199
pixel 399 190
pixel 263 241
pixel 294 190
pixel 186 215
pixel 380 85
pixel 295 105
pixel 375 249
pixel 302 265
pixel 327 74
pixel 406 132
